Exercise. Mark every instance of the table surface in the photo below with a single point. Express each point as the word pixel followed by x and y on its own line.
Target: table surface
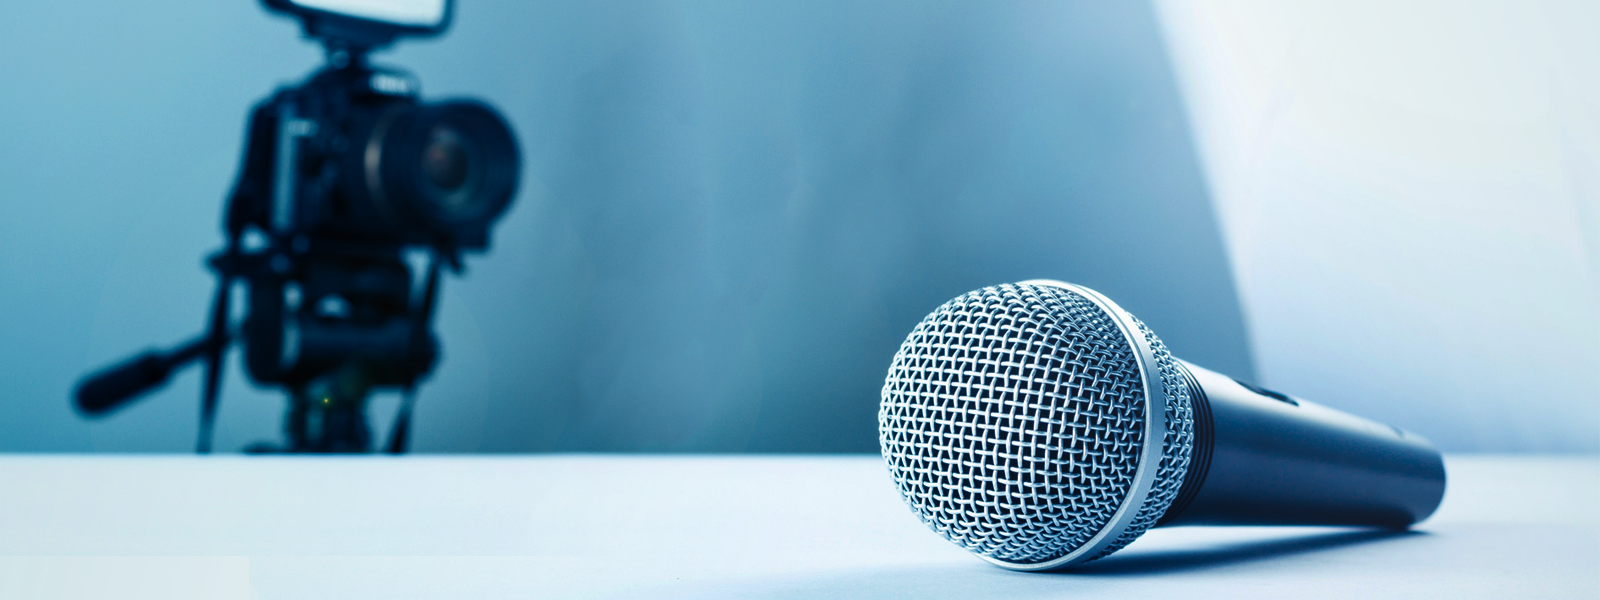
pixel 631 526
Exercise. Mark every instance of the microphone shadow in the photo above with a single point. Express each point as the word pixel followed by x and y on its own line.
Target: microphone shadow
pixel 973 579
pixel 1210 556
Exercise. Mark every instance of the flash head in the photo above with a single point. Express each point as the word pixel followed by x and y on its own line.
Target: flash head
pixel 367 24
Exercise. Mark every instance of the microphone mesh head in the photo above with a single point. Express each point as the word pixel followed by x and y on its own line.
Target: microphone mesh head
pixel 1014 422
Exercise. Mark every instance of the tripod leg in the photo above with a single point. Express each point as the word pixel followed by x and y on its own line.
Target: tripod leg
pixel 400 434
pixel 217 342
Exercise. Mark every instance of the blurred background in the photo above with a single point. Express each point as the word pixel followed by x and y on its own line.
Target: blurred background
pixel 732 213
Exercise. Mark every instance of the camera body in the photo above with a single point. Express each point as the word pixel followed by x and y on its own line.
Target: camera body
pixel 341 175
pixel 344 178
pixel 353 154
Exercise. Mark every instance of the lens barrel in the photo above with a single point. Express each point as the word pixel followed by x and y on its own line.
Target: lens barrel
pixel 448 168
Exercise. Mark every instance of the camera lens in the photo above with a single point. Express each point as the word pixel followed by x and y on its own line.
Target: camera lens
pixel 446 169
pixel 445 160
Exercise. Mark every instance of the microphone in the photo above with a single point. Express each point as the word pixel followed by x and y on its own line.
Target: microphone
pixel 1039 425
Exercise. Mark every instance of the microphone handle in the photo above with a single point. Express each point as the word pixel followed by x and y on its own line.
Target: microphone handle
pixel 1264 458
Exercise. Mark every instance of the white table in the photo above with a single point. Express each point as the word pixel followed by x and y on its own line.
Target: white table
pixel 486 527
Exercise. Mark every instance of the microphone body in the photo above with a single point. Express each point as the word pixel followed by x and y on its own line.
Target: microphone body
pixel 1039 425
pixel 1264 458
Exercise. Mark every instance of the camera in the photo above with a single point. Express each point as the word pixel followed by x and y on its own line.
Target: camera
pixel 343 177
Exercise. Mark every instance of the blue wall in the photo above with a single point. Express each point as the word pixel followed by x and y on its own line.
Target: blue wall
pixel 732 213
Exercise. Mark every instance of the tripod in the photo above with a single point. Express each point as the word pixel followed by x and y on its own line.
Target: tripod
pixel 341 175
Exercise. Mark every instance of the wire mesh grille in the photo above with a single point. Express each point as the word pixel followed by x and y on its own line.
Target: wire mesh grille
pixel 1177 444
pixel 1012 422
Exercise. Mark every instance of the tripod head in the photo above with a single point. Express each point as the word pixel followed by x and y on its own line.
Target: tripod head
pixel 342 176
